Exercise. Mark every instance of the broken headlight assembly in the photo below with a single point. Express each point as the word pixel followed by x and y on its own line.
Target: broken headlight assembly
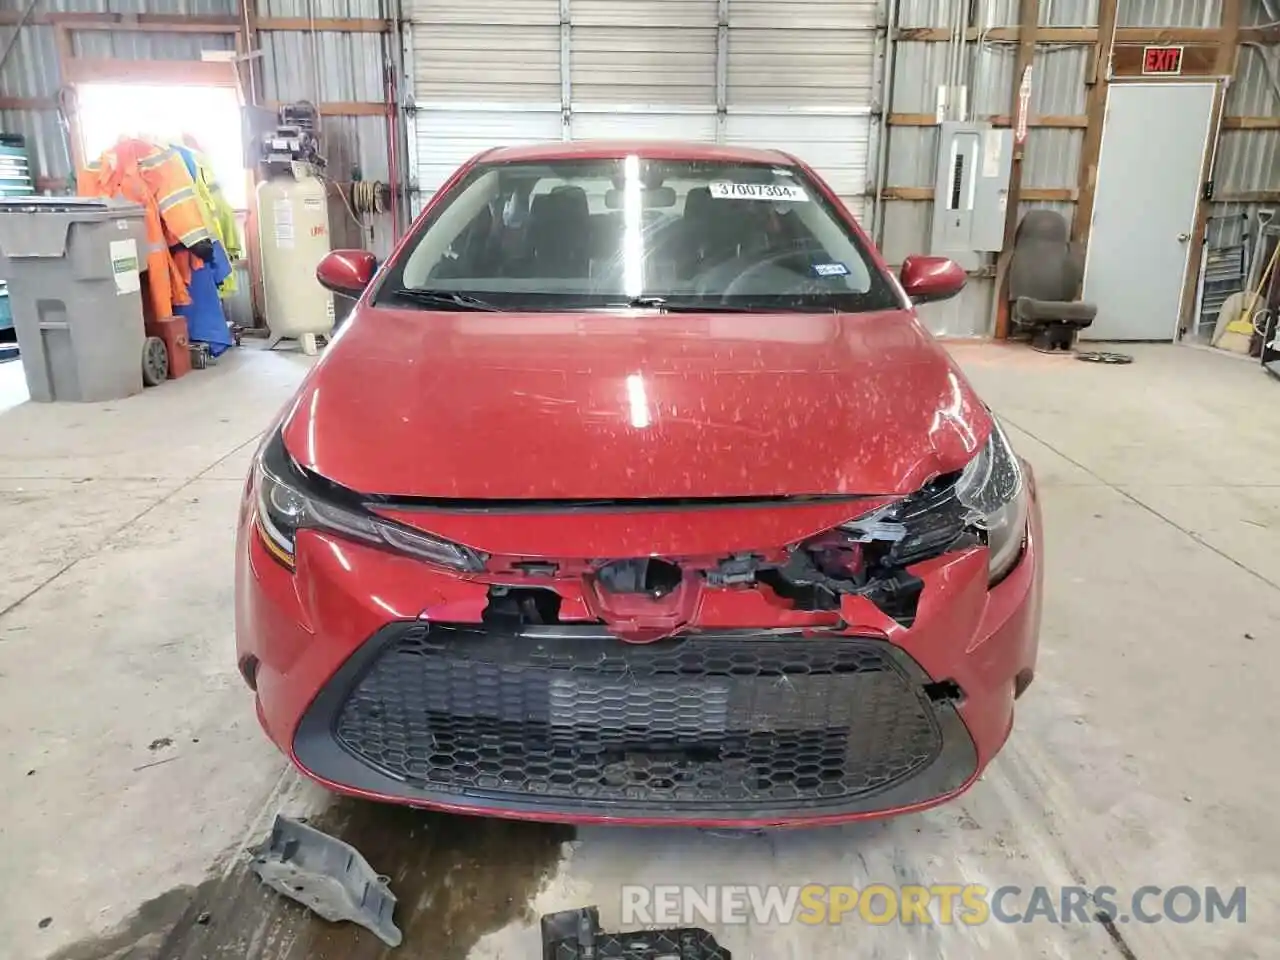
pixel 290 499
pixel 993 490
pixel 986 503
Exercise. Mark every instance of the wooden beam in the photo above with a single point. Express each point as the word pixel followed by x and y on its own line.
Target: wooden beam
pixel 336 108
pixel 166 22
pixel 907 193
pixel 337 24
pixel 1251 123
pixel 1028 19
pixel 1048 121
pixel 1050 194
pixel 913 120
pixel 1260 34
pixel 1061 121
pixel 1096 110
pixel 1159 36
pixel 177 23
pixel 1248 196
pixel 1001 34
pixel 28 103
pixel 78 22
pixel 925 194
pixel 1151 36
pixel 159 72
pixel 1225 64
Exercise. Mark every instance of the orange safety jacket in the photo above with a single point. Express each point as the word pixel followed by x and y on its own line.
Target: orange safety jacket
pixel 155 177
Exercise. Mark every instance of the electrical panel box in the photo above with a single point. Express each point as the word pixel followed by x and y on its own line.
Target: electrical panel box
pixel 972 191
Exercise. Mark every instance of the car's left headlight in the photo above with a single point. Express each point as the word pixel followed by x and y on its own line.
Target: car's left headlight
pixel 289 500
pixel 993 490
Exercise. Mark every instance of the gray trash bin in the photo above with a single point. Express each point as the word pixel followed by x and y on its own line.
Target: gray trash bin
pixel 72 266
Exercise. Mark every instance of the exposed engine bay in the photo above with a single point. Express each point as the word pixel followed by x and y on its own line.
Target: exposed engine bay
pixel 645 598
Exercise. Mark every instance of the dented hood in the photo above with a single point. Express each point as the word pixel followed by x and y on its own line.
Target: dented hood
pixel 622 405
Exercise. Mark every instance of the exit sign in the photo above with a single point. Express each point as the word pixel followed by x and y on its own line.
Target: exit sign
pixel 1162 60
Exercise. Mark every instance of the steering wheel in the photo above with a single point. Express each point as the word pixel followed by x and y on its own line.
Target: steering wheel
pixel 772 264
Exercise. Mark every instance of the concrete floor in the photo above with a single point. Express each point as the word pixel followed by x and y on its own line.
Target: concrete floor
pixel 134 774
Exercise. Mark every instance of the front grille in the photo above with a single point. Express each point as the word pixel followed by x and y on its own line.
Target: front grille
pixel 573 716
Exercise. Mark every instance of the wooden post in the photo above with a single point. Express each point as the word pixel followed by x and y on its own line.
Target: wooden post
pixel 1023 69
pixel 1096 111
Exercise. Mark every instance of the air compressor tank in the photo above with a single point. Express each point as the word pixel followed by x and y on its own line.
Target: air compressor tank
pixel 293 235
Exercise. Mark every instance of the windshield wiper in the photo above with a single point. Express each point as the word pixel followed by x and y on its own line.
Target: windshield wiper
pixel 444 298
pixel 663 305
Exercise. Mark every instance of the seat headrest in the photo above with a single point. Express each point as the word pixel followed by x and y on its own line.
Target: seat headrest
pixel 697 202
pixel 1042 225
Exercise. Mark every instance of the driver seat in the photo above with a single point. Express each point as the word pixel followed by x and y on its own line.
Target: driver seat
pixel 559 234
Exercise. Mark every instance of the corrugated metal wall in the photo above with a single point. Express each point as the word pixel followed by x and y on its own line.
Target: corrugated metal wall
pixel 32 68
pixel 1246 160
pixel 1169 13
pixel 1051 158
pixel 330 66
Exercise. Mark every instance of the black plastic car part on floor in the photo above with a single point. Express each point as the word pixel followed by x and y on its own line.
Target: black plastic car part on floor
pixel 571 721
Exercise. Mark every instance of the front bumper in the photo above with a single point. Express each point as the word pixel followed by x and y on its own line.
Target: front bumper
pixel 373 674
pixel 572 722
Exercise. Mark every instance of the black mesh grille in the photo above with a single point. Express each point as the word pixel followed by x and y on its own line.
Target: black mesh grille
pixel 746 721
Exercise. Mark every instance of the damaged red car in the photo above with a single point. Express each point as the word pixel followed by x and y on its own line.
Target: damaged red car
pixel 632 490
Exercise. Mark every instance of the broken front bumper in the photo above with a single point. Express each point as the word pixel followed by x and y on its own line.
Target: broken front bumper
pixel 373 673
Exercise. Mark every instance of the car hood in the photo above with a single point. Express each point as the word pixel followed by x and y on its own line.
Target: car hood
pixel 611 405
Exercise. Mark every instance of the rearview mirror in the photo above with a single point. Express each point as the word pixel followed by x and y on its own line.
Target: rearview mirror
pixel 651 198
pixel 347 272
pixel 927 279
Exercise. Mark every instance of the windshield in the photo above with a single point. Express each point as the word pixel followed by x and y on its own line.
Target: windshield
pixel 557 235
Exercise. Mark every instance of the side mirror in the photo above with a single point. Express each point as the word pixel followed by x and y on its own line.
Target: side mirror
pixel 926 279
pixel 347 272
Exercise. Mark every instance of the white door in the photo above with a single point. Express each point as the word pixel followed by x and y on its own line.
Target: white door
pixel 792 74
pixel 1149 182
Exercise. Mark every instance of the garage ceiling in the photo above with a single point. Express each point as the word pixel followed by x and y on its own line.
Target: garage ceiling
pixel 796 74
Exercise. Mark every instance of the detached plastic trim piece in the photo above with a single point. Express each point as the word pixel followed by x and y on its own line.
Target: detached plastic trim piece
pixel 576 935
pixel 328 876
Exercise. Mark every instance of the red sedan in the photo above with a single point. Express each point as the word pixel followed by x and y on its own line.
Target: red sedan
pixel 633 490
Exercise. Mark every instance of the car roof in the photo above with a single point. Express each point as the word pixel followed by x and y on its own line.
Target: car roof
pixel 645 149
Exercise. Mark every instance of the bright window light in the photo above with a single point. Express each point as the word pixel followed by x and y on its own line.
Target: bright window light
pixel 211 115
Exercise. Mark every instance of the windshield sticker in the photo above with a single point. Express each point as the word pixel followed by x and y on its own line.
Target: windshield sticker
pixel 759 191
pixel 830 270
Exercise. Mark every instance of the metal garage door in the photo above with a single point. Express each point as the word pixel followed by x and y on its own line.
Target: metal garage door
pixel 486 72
pixel 800 77
pixel 797 74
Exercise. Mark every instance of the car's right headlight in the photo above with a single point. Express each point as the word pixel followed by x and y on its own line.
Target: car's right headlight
pixel 993 490
pixel 987 501
pixel 289 500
